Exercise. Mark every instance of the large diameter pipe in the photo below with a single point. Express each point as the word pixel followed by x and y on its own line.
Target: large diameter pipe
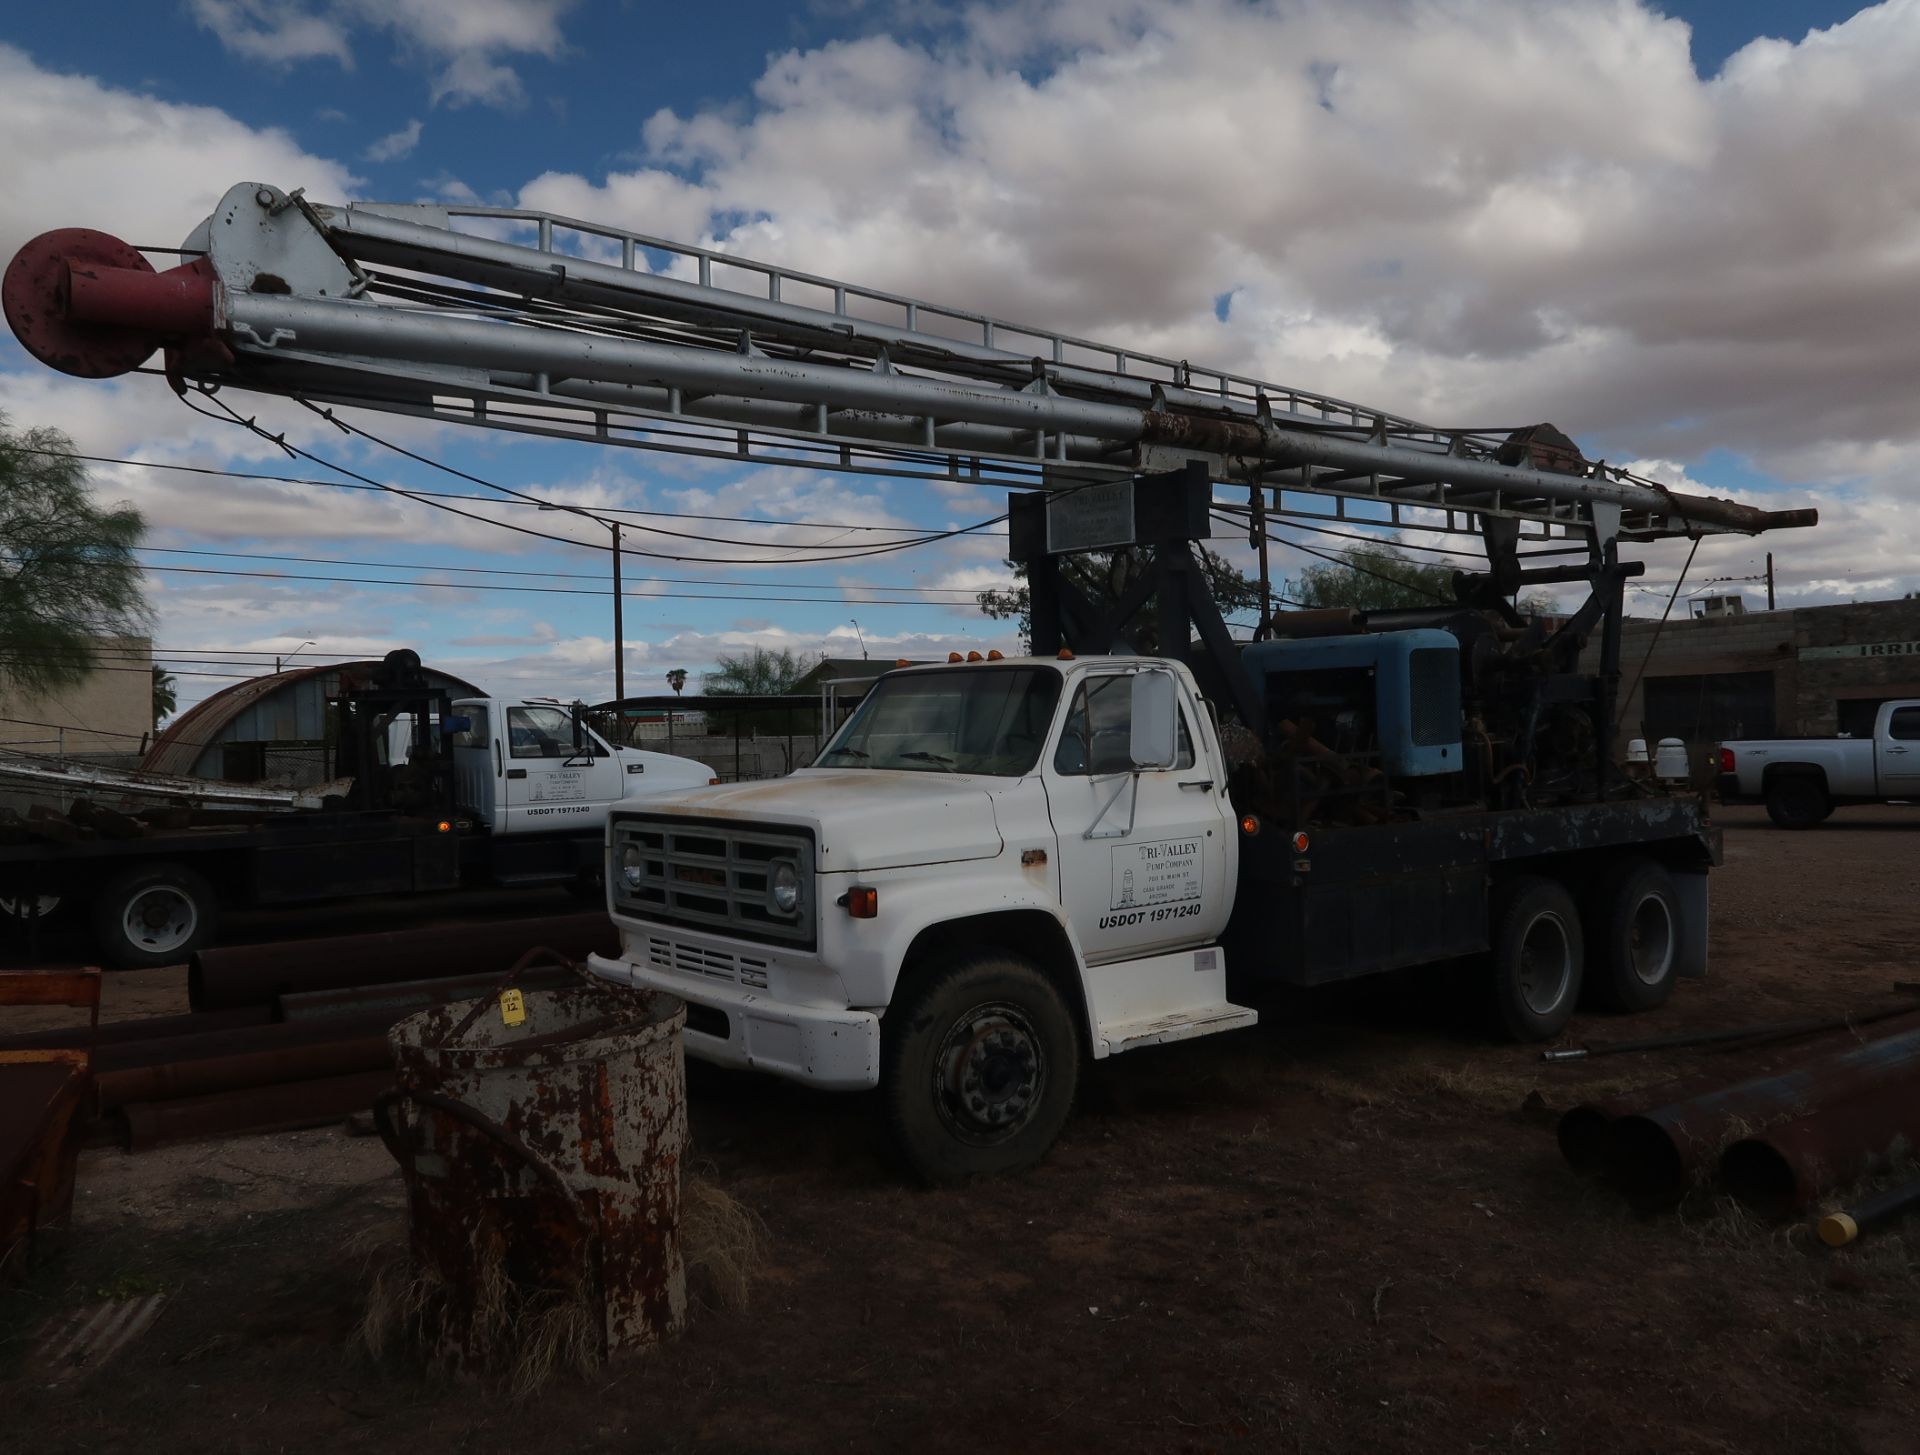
pixel 1654 1155
pixel 258 324
pixel 286 1107
pixel 243 1072
pixel 1786 1167
pixel 259 974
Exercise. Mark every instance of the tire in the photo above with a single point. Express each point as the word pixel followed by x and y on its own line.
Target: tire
pixel 980 1063
pixel 1538 958
pixel 1797 801
pixel 155 914
pixel 43 907
pixel 1633 937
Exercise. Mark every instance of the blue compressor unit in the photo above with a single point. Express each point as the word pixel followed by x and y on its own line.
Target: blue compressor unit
pixel 1415 697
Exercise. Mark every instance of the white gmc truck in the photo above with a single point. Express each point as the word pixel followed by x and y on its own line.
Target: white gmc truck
pixel 1802 780
pixel 999 870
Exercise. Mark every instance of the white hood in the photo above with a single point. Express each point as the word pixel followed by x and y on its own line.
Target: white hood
pixel 865 819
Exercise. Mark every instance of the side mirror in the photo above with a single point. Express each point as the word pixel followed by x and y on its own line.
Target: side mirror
pixel 1153 743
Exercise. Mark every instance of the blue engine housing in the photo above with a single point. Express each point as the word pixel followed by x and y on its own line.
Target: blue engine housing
pixel 1415 698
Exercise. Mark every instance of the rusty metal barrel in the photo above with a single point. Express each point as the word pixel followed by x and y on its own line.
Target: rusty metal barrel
pixel 541 1134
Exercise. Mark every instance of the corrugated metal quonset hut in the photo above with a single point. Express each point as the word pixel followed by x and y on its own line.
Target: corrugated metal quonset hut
pixel 271 729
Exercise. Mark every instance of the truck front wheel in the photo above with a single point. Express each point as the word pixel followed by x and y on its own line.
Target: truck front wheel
pixel 1797 802
pixel 980 1063
pixel 156 914
pixel 1538 958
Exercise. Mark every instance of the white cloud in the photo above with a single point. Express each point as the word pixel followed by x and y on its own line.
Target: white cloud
pixel 281 32
pixel 80 153
pixel 460 42
pixel 1487 214
pixel 396 145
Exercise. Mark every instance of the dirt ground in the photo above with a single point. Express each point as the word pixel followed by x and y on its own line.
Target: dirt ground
pixel 1348 1229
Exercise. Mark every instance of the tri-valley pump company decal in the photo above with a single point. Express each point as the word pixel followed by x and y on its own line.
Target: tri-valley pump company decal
pixel 1154 881
pixel 557 785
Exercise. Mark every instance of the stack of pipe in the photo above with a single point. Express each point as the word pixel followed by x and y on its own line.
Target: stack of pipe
pixel 1811 1120
pixel 295 1035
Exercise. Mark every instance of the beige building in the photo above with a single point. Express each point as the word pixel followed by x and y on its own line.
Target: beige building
pixel 109 712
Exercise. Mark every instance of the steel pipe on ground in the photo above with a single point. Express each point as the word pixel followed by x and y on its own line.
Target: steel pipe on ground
pixel 149 1028
pixel 286 1107
pixel 1654 1155
pixel 1784 1168
pixel 404 997
pixel 259 974
pixel 247 1040
pixel 248 1071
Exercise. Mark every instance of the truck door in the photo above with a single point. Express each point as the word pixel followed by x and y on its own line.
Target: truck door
pixel 479 760
pixel 1898 753
pixel 550 785
pixel 1143 856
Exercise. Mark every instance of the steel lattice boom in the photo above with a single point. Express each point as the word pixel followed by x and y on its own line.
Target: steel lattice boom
pixel 548 325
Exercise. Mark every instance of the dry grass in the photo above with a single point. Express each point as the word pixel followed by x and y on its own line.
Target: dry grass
pixel 722 1242
pixel 532 1335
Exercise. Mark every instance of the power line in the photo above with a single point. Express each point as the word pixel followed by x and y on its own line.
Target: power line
pixel 326 464
pixel 534 502
pixel 487 586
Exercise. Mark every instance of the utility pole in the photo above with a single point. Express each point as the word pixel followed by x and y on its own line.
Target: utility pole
pixel 1769 580
pixel 619 628
pixel 1257 538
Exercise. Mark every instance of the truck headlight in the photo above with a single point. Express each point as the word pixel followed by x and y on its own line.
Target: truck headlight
pixel 631 866
pixel 784 884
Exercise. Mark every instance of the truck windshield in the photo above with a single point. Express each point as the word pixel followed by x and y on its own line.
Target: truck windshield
pixel 970 720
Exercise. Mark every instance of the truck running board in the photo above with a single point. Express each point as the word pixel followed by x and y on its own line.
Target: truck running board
pixel 1181 1025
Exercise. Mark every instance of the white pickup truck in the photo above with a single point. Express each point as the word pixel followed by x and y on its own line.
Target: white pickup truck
pixel 1802 780
pixel 998 871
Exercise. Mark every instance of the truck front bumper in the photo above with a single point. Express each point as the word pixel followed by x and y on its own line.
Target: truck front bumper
pixel 823 1046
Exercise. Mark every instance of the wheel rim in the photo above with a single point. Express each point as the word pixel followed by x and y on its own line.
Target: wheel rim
pixel 989 1074
pixel 160 919
pixel 19 906
pixel 1546 963
pixel 1650 940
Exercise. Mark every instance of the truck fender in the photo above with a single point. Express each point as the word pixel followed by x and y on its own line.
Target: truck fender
pixel 922 926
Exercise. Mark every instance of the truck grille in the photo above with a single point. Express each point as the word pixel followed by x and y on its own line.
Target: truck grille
pixel 710 875
pixel 707 963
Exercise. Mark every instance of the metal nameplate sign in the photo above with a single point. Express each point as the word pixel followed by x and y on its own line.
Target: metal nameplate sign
pixel 1863 649
pixel 1090 518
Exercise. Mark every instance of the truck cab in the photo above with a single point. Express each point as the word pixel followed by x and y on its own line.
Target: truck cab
pixel 530 766
pixel 1802 780
pixel 996 869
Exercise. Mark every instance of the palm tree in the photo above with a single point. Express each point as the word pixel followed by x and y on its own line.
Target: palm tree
pixel 164 698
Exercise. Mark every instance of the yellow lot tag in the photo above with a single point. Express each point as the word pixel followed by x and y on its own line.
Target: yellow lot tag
pixel 513 1007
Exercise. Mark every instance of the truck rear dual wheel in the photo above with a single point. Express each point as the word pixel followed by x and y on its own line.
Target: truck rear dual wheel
pixel 1797 801
pixel 153 914
pixel 980 1062
pixel 1538 958
pixel 1633 936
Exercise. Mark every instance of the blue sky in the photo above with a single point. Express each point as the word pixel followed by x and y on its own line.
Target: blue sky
pixel 963 156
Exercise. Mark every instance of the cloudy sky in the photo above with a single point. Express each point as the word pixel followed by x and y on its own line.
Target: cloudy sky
pixel 1687 233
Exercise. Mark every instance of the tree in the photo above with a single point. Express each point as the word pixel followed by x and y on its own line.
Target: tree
pixel 760 673
pixel 1382 578
pixel 165 697
pixel 68 576
pixel 1105 576
pixel 1372 578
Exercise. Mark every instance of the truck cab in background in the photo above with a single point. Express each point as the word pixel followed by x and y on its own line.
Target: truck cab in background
pixel 1802 780
pixel 531 766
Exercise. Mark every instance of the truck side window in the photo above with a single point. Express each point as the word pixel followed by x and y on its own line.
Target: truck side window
pixel 474 734
pixel 1904 724
pixel 1099 730
pixel 539 732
